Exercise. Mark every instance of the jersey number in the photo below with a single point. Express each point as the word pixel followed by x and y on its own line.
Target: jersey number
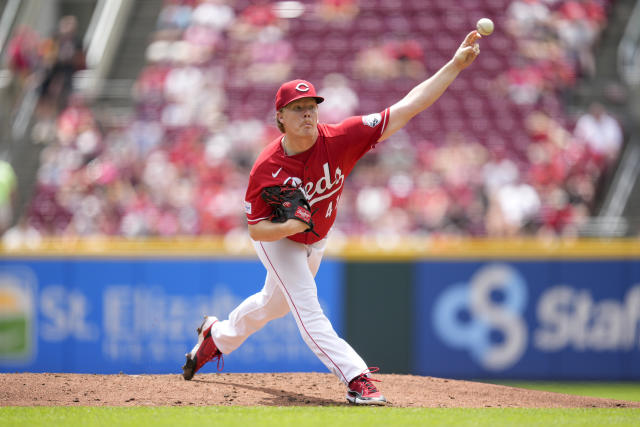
pixel 329 210
pixel 330 207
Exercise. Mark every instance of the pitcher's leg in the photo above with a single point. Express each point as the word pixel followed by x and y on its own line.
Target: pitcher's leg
pixel 287 262
pixel 251 315
pixel 314 255
pixel 216 338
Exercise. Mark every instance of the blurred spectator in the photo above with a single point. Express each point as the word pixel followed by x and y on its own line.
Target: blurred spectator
pixel 600 132
pixel 408 57
pixel 523 85
pixel 557 214
pixel 216 14
pixel 374 62
pixel 269 57
pixel 8 194
pixel 174 16
pixel 182 86
pixel 578 24
pixel 260 15
pixel 149 88
pixel 77 126
pixel 391 59
pixel 198 46
pixel 63 56
pixel 340 100
pixel 21 235
pixel 525 17
pixel 498 172
pixel 339 11
pixel 513 206
pixel 429 203
pixel 22 54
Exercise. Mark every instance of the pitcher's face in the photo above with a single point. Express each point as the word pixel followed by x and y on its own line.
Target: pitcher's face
pixel 300 118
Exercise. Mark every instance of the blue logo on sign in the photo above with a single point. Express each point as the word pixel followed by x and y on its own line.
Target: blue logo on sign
pixel 484 316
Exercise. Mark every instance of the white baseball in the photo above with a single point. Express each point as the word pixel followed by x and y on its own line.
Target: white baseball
pixel 484 26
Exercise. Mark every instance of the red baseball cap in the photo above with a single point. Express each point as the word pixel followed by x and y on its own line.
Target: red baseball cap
pixel 293 90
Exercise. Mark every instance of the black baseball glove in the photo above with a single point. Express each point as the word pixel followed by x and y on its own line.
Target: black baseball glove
pixel 288 202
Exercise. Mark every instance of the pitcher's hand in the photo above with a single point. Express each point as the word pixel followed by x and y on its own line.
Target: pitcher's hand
pixel 468 50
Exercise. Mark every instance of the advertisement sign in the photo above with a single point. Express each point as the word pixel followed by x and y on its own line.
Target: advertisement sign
pixel 530 319
pixel 557 319
pixel 140 316
pixel 17 315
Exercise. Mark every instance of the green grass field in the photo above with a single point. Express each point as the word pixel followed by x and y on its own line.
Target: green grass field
pixel 609 390
pixel 348 416
pixel 296 416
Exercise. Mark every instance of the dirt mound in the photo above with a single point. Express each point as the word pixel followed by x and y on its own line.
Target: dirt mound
pixel 287 389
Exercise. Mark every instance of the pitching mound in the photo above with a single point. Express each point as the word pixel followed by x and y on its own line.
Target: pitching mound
pixel 290 389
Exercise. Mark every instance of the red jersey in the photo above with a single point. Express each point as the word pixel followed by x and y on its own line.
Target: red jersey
pixel 320 171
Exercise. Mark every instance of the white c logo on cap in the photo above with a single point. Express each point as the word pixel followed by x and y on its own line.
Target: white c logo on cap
pixel 302 87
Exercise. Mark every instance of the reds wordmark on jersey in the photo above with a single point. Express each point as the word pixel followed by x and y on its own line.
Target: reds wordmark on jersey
pixel 320 171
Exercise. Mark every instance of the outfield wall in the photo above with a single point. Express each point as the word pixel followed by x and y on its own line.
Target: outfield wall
pixel 464 309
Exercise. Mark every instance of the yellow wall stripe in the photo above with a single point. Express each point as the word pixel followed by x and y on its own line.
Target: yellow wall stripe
pixel 362 248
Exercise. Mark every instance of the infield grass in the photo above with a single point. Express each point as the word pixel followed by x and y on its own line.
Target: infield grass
pixel 323 417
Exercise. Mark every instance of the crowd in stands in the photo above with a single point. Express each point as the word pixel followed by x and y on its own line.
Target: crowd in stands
pixel 46 62
pixel 204 110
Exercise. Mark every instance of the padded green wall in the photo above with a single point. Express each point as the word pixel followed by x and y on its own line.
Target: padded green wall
pixel 378 314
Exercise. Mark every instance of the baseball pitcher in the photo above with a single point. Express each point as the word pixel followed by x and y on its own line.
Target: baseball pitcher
pixel 291 203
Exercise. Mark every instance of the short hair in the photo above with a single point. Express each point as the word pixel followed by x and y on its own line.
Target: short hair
pixel 278 122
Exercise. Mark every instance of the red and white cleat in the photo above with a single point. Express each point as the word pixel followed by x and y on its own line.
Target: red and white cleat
pixel 204 350
pixel 363 392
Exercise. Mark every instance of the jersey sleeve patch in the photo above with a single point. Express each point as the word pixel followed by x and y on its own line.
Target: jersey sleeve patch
pixel 247 207
pixel 372 120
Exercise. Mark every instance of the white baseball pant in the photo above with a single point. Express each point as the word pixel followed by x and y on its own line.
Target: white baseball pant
pixel 290 286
